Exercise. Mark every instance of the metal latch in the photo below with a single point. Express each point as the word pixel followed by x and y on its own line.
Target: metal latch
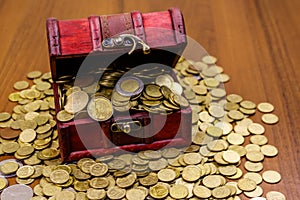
pixel 126 127
pixel 125 40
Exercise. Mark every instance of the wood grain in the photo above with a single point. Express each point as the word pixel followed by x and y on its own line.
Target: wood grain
pixel 257 43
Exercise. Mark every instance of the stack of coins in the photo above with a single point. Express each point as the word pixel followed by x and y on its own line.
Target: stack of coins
pixel 217 165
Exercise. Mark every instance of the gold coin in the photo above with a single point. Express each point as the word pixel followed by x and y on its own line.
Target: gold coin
pixel 42 86
pixel 255 193
pixel 176 88
pixel 191 173
pixel 235 138
pixel 237 175
pixel 27 136
pixel 211 82
pixel 235 115
pixel 179 191
pixel 21 85
pixel 126 181
pixel 221 192
pixel 269 150
pixel 254 176
pixel 9 167
pixel 180 100
pixel 99 183
pixel 214 131
pixel 153 90
pixel 32 160
pixel 130 85
pixel 38 171
pixel 228 170
pixel 256 129
pixel 159 191
pixel 275 195
pixel 116 193
pixel 269 118
pixel 209 59
pixel 170 153
pixel 252 147
pixel 100 109
pixel 239 149
pixel 86 165
pixel 255 156
pixel 216 111
pixel 4 116
pixel 199 89
pixel 65 195
pixel 246 184
pixel 248 104
pixel 59 176
pixel 80 175
pixel 234 184
pixel 201 192
pixel 164 80
pixel 10 147
pixel 253 166
pixel 34 74
pixel 135 194
pixel 149 180
pixel 25 150
pixel 25 171
pixel 212 181
pixel 271 176
pixel 157 165
pixel 231 156
pixel 64 116
pixel 76 101
pixel 217 145
pixel 192 158
pixel 166 175
pixel 50 153
pixel 231 106
pixel 50 189
pixel 25 181
pixel 3 183
pixel 81 186
pixel 218 92
pixel 234 98
pixel 98 169
pixel 222 77
pixel 259 139
pixel 265 107
pixel 247 111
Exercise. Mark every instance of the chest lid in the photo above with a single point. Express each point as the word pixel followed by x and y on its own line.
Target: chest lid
pixel 70 41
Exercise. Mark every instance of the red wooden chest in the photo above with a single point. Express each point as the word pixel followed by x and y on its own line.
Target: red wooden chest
pixel 86 48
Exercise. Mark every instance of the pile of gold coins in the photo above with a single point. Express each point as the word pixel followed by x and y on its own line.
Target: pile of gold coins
pixel 217 165
pixel 162 94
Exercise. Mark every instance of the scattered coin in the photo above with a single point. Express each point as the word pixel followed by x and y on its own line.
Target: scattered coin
pixel 275 195
pixel 269 150
pixel 179 192
pixel 271 176
pixel 269 118
pixel 246 184
pixel 265 107
pixel 3 183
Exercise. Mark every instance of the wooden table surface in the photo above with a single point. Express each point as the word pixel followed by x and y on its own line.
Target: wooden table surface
pixel 257 43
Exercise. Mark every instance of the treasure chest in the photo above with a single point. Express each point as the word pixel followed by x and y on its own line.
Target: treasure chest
pixel 114 85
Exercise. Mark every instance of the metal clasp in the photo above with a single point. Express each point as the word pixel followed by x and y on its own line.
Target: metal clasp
pixel 125 40
pixel 126 127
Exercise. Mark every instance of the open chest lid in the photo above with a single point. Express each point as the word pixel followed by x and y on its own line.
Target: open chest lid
pixel 71 41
